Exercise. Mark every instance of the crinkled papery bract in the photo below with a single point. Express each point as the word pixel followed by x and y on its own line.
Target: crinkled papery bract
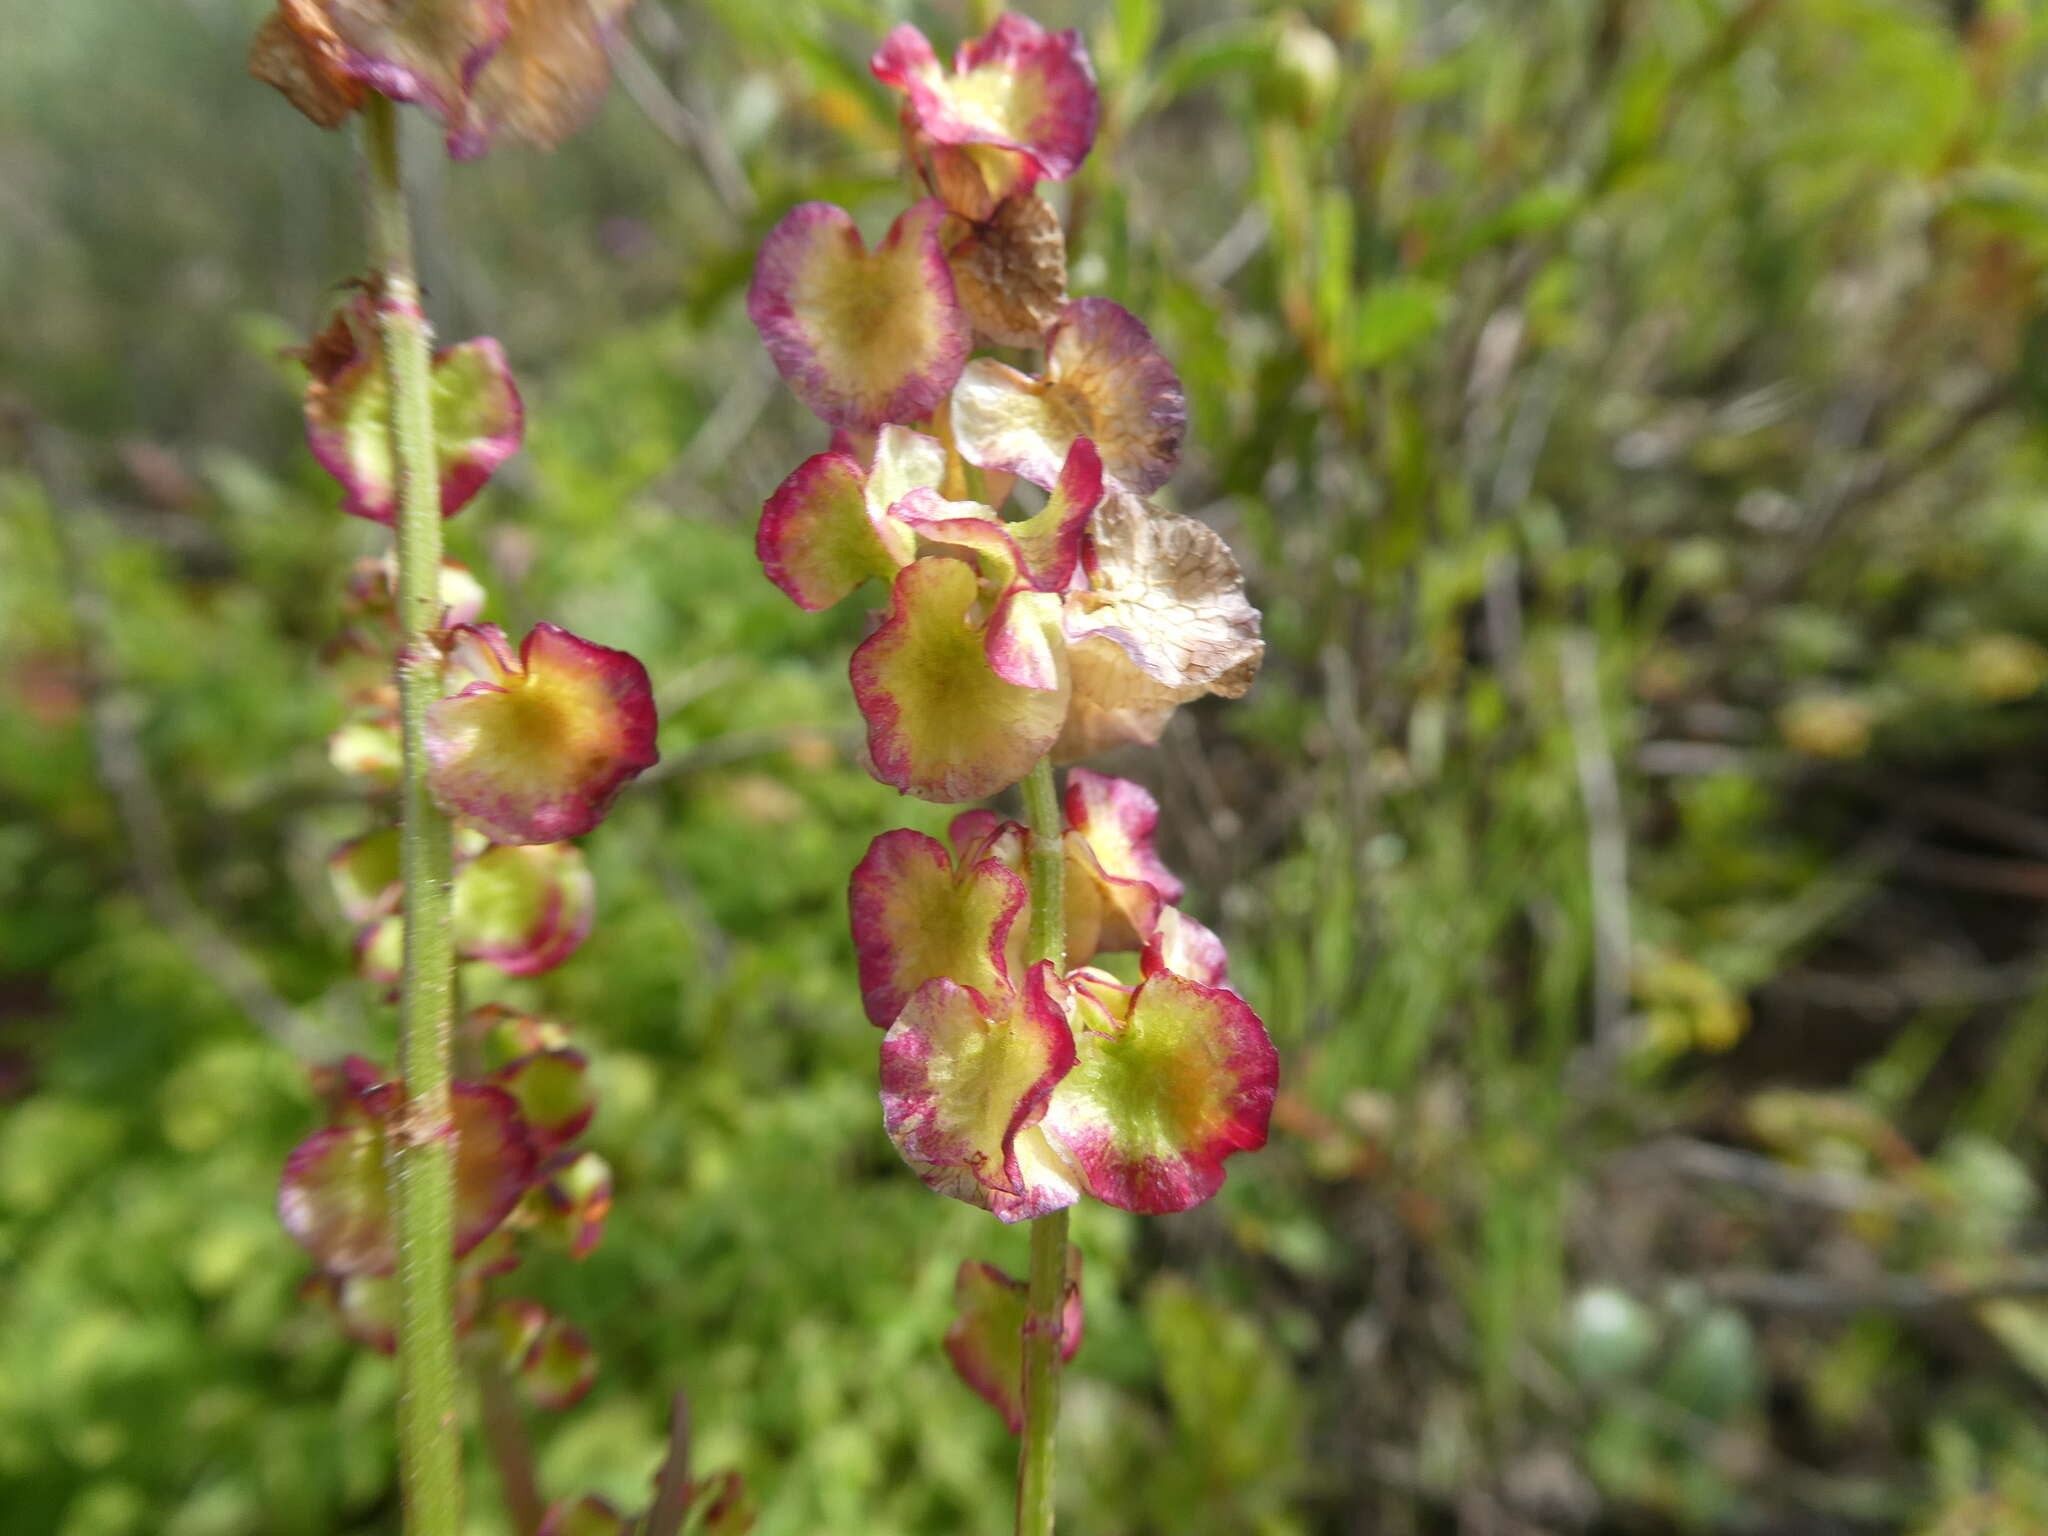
pixel 863 337
pixel 1010 270
pixel 334 1199
pixel 537 748
pixel 1162 620
pixel 957 710
pixel 545 79
pixel 917 916
pixel 1019 105
pixel 1105 379
pixel 297 51
pixel 425 51
pixel 524 908
pixel 986 1339
pixel 828 528
pixel 965 1080
pixel 478 417
pixel 1156 1101
pixel 535 69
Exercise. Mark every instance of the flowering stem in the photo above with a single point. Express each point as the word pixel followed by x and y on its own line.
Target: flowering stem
pixel 422 1164
pixel 1045 1301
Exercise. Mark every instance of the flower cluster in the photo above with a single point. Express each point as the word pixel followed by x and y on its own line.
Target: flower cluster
pixel 532 68
pixel 518 1175
pixel 526 750
pixel 1036 607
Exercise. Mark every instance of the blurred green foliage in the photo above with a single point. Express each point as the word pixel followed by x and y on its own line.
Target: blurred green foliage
pixel 1630 416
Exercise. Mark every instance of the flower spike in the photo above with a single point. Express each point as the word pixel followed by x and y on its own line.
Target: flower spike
pixel 863 337
pixel 1105 379
pixel 536 749
pixel 965 1080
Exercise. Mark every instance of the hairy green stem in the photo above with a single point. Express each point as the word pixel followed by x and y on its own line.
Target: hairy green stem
pixel 422 1161
pixel 1045 1301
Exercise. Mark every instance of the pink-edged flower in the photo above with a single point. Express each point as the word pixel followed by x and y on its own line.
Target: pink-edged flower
pixel 1119 819
pixel 959 706
pixel 965 1080
pixel 828 529
pixel 1019 106
pixel 538 746
pixel 549 1356
pixel 1105 379
pixel 553 1092
pixel 1185 947
pixel 963 682
pixel 334 1198
pixel 1163 1089
pixel 919 914
pixel 1161 620
pixel 523 908
pixel 478 417
pixel 863 337
pixel 986 1339
pixel 571 1202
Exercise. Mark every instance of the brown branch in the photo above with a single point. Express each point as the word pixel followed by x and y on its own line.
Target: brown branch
pixel 511 1448
pixel 673 1491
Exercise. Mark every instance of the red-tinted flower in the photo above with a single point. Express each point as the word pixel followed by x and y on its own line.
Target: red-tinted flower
pixel 478 417
pixel 334 1198
pixel 919 914
pixel 986 1339
pixel 863 337
pixel 536 748
pixel 1019 105
pixel 1105 379
pixel 965 1080
pixel 1161 1094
